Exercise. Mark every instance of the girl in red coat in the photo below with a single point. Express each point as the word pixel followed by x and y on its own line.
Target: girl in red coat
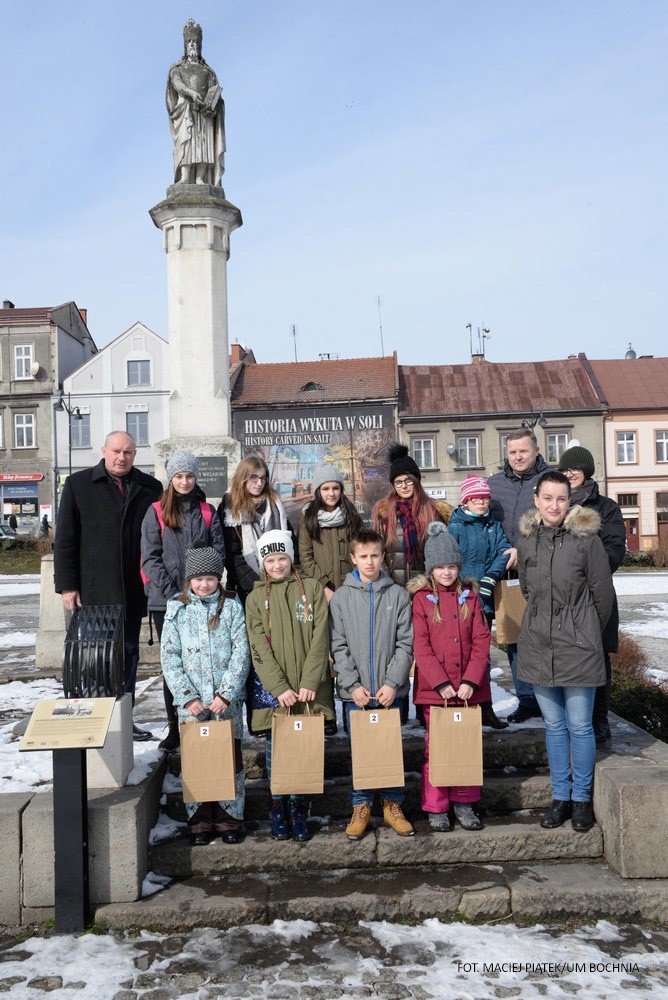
pixel 451 647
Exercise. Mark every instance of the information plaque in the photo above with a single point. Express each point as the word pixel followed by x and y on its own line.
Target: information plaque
pixel 68 724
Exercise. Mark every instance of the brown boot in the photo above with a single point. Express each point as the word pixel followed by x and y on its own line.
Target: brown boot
pixel 359 822
pixel 394 817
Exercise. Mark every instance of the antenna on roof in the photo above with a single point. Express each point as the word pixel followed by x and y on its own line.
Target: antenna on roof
pixel 380 326
pixel 294 337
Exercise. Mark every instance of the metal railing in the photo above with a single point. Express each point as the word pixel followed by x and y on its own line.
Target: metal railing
pixel 93 663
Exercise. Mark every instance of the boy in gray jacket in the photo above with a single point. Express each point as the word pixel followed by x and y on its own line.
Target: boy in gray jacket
pixel 372 644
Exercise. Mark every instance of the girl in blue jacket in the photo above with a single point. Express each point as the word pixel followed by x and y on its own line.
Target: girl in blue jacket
pixel 205 661
pixel 485 551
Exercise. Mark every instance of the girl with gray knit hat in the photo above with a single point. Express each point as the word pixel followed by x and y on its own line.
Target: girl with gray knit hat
pixel 179 520
pixel 326 528
pixel 451 646
pixel 205 661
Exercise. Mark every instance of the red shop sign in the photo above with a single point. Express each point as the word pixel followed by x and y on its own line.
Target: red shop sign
pixel 21 477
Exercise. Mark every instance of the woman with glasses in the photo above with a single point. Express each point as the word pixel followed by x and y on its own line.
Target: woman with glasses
pixel 250 508
pixel 402 517
pixel 577 464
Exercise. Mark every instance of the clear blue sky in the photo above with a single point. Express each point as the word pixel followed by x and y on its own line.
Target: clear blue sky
pixel 496 161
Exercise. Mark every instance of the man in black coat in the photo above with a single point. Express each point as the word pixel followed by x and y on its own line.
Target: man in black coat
pixel 97 546
pixel 512 494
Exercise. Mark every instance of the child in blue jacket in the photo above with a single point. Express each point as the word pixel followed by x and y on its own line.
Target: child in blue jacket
pixel 485 548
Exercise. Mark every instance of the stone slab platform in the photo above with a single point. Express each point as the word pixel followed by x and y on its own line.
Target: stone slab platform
pixel 546 892
pixel 500 841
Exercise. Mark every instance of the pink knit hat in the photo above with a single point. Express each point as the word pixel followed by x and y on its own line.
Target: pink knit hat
pixel 474 486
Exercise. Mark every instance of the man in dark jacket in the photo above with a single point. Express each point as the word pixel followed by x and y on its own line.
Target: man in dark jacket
pixel 512 494
pixel 97 546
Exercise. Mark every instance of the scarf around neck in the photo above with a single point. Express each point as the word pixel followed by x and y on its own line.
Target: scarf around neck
pixel 332 518
pixel 409 535
pixel 580 493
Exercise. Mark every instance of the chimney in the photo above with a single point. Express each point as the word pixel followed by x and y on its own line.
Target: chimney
pixel 8 305
pixel 237 353
pixel 84 315
pixel 477 359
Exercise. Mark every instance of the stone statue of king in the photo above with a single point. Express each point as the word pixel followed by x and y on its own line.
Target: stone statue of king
pixel 196 114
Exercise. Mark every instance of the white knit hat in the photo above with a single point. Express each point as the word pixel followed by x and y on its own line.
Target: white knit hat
pixel 275 543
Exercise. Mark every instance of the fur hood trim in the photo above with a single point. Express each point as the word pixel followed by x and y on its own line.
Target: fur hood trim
pixel 583 522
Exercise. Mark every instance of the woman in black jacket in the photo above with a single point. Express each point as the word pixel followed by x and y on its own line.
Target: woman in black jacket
pixel 577 464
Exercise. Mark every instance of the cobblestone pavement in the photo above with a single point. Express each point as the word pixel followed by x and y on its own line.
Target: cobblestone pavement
pixel 371 960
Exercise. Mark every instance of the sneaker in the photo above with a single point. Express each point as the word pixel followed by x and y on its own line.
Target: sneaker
pixel 583 816
pixel 557 814
pixel 172 741
pixel 394 817
pixel 440 822
pixel 467 819
pixel 359 822
pixel 298 825
pixel 279 824
pixel 522 714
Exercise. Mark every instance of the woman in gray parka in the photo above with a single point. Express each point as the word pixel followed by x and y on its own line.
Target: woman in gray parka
pixel 565 577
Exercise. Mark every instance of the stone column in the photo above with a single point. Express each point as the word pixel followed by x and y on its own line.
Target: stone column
pixel 196 221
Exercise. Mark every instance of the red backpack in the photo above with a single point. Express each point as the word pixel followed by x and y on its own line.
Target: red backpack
pixel 207 515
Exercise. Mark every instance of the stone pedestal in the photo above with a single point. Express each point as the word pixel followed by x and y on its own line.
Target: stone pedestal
pixel 50 641
pixel 110 766
pixel 196 221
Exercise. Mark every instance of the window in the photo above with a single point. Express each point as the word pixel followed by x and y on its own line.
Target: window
pixel 136 424
pixel 662 501
pixel 80 431
pixel 627 499
pixel 423 452
pixel 24 430
pixel 626 447
pixel 22 361
pixel 556 446
pixel 503 441
pixel 467 451
pixel 662 446
pixel 139 372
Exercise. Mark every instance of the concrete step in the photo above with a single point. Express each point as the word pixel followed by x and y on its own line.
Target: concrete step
pixel 544 891
pixel 520 839
pixel 502 793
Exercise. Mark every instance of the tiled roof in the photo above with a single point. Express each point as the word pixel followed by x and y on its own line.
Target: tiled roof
pixel 634 384
pixel 41 314
pixel 334 381
pixel 486 387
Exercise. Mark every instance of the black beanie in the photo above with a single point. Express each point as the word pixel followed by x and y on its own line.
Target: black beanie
pixel 401 463
pixel 578 458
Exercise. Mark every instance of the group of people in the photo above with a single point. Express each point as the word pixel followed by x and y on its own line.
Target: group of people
pixel 358 606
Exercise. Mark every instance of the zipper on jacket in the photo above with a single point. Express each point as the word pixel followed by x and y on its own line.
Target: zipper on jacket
pixel 371 657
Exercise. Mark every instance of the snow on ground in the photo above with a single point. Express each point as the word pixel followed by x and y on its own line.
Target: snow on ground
pixel 10 640
pixel 434 959
pixel 19 586
pixel 657 626
pixel 627 584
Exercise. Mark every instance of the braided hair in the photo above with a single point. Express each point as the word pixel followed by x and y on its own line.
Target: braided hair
pixel 463 605
pixel 267 592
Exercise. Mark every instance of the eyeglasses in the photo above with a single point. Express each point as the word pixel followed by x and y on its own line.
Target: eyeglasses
pixel 402 484
pixel 573 472
pixel 479 499
pixel 258 479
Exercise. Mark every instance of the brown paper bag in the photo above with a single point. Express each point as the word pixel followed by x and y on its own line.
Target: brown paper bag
pixel 376 748
pixel 207 761
pixel 297 754
pixel 455 746
pixel 509 605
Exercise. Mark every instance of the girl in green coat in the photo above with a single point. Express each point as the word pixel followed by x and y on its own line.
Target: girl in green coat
pixel 326 529
pixel 288 633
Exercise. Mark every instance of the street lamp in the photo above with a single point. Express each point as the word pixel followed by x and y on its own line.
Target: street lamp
pixel 530 422
pixel 61 406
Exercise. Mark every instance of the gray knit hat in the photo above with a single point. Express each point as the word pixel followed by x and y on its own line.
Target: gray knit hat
pixel 326 473
pixel 578 458
pixel 440 548
pixel 181 461
pixel 203 560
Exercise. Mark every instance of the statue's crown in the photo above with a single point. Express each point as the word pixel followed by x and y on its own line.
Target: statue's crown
pixel 192 30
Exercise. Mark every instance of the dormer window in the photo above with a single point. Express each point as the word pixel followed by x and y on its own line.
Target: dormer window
pixel 312 387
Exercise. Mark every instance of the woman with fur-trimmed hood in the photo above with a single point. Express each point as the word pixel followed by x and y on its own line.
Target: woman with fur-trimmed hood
pixel 565 576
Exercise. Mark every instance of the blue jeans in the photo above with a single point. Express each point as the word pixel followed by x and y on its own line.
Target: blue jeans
pixel 524 691
pixel 569 738
pixel 364 796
